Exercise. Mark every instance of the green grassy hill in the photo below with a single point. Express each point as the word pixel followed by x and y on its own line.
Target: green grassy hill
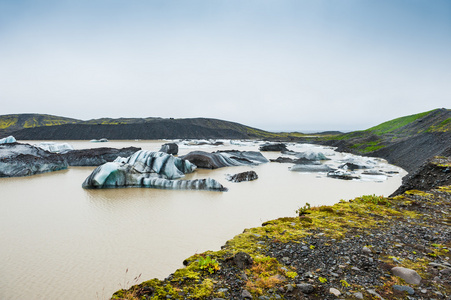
pixel 407 141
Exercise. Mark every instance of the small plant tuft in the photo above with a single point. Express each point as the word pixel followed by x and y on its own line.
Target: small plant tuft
pixel 303 210
pixel 208 264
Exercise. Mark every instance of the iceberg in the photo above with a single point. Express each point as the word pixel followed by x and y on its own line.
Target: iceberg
pixel 221 159
pixel 8 140
pixel 24 160
pixel 148 169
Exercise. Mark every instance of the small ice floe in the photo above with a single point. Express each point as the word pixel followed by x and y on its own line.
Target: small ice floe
pixel 8 140
pixel 310 168
pixel 55 147
pixel 244 176
pixel 373 175
pixel 310 155
pixel 203 143
pixel 341 174
pixel 102 140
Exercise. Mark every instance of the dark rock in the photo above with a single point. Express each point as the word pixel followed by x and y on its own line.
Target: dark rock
pixel 96 156
pixel 306 288
pixel 244 176
pixel 273 147
pixel 242 260
pixel 221 159
pixel 170 148
pixel 403 288
pixel 18 159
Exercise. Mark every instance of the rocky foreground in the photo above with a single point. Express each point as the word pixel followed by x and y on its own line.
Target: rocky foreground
pixel 367 248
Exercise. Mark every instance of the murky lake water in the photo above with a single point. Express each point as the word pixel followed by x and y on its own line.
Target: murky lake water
pixel 59 241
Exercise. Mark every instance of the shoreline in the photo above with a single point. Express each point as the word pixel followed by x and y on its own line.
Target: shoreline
pixel 346 251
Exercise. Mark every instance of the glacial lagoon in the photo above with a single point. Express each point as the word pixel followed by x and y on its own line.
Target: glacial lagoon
pixel 61 241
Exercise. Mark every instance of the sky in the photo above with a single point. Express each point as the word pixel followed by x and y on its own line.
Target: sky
pixel 300 65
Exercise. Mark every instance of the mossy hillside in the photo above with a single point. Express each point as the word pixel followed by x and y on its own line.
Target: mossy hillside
pixel 396 124
pixel 10 123
pixel 400 133
pixel 362 215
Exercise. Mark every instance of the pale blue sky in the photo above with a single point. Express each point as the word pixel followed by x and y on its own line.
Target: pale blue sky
pixel 276 65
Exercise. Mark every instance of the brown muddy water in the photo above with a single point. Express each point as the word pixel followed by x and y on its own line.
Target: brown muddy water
pixel 59 241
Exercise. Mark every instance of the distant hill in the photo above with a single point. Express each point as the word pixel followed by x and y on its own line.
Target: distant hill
pixel 407 141
pixel 11 123
pixel 47 127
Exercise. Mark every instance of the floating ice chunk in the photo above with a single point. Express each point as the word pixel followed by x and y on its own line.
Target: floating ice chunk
pixel 8 140
pixel 118 174
pixel 55 148
pixel 310 168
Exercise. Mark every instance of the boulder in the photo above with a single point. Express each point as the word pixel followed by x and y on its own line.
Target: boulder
pixel 242 260
pixel 410 276
pixel 221 159
pixel 273 147
pixel 148 169
pixel 310 168
pixel 244 176
pixel 96 156
pixel 8 140
pixel 18 159
pixel 170 148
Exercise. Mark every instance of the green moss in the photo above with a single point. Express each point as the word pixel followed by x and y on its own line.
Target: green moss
pixel 396 124
pixel 199 291
pixel 444 126
pixel 7 121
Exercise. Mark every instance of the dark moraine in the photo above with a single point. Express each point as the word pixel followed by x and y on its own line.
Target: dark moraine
pixel 96 156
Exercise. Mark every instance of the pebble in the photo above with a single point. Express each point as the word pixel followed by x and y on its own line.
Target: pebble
pixel 246 295
pixel 373 292
pixel 335 292
pixel 366 250
pixel 358 295
pixel 404 288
